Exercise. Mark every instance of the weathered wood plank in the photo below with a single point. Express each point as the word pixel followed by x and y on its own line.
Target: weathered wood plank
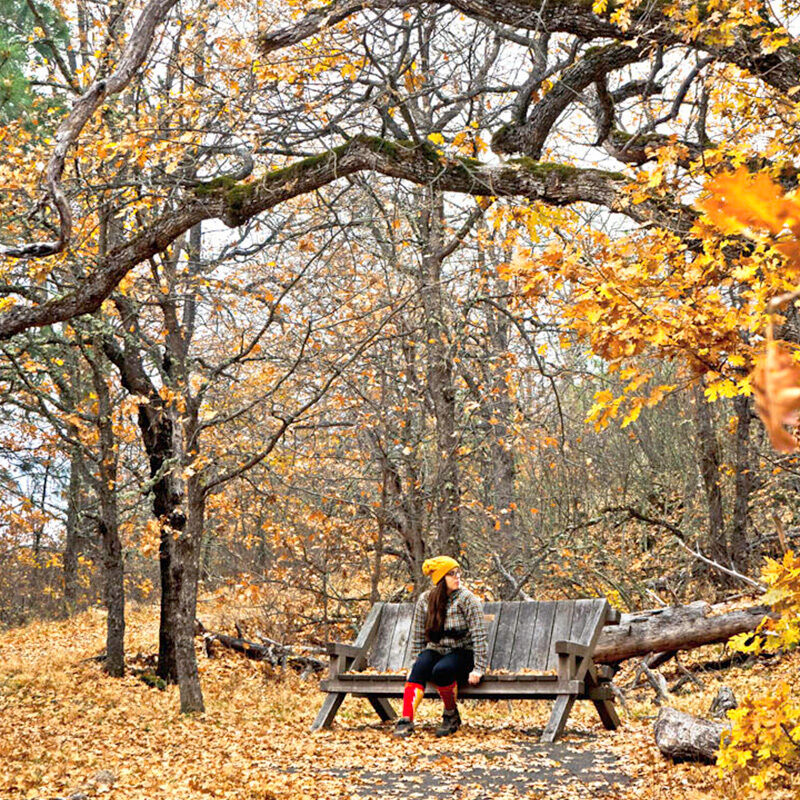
pixel 491 612
pixel 342 649
pixel 602 695
pixel 328 711
pixel 542 637
pixel 379 657
pixel 402 630
pixel 366 636
pixel 595 620
pixel 526 623
pixel 383 707
pixel 562 624
pixel 369 629
pixel 487 690
pixel 363 641
pixel 406 662
pixel 354 656
pixel 584 619
pixel 399 677
pixel 500 655
pixel 558 718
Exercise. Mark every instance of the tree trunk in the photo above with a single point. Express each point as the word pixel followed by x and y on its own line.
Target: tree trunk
pixel 156 426
pixel 375 572
pixel 709 462
pixel 740 547
pixel 113 567
pixel 500 479
pixel 676 628
pixel 72 546
pixel 166 432
pixel 186 561
pixel 440 377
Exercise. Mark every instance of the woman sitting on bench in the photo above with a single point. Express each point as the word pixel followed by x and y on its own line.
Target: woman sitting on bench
pixel 448 644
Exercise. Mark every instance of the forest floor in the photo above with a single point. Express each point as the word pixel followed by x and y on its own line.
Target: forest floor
pixel 69 731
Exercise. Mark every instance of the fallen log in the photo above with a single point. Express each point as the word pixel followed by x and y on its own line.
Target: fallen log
pixel 672 629
pixel 274 653
pixel 682 737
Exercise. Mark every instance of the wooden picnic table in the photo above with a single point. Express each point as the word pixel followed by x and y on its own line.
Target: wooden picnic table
pixel 536 650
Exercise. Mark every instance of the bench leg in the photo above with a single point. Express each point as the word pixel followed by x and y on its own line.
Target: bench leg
pixel 605 707
pixel 328 711
pixel 558 717
pixel 608 714
pixel 383 707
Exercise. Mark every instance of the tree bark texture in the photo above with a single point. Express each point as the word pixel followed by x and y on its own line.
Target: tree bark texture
pixel 739 544
pixel 72 545
pixel 167 508
pixel 708 457
pixel 187 555
pixel 675 628
pixel 682 737
pixel 113 567
pixel 440 384
pixel 497 412
pixel 157 428
pixel 108 524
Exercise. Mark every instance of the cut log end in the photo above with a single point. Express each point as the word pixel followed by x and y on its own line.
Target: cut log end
pixel 682 737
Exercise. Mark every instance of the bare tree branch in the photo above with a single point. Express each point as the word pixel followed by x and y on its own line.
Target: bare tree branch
pixel 553 184
pixel 681 537
pixel 153 14
pixel 780 69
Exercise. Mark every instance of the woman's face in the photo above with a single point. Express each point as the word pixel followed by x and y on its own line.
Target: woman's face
pixel 453 579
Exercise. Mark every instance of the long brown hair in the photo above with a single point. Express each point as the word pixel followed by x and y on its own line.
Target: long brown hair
pixel 437 611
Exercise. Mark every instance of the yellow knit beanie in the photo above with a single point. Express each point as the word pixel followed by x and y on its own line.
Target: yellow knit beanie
pixel 438 567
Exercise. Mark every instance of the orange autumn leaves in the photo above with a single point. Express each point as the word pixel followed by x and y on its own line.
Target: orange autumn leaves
pixel 755 206
pixel 776 387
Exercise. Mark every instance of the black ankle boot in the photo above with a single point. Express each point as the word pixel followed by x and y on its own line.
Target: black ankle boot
pixel 403 727
pixel 451 722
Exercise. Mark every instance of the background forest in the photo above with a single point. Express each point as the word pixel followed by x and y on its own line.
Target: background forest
pixel 296 296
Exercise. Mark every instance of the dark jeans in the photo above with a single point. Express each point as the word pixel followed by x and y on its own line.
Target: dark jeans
pixel 441 670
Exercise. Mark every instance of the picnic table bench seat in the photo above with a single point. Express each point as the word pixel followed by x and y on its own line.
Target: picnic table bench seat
pixel 536 650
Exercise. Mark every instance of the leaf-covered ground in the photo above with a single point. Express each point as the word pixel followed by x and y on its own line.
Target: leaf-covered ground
pixel 68 730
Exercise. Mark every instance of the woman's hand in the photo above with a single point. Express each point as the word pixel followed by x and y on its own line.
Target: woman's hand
pixel 474 678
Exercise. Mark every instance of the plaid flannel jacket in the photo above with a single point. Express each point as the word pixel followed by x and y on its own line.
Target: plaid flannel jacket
pixel 464 612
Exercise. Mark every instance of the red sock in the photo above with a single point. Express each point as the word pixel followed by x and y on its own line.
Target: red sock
pixel 448 695
pixel 412 696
